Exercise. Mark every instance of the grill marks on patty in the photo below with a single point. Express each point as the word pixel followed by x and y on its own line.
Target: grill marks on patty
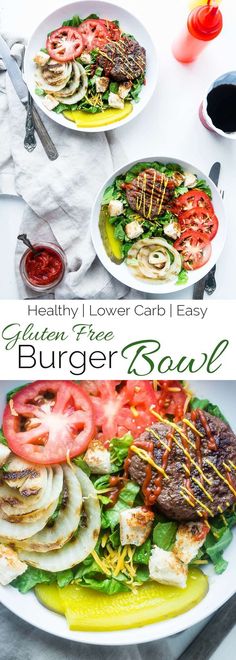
pixel 200 468
pixel 150 193
pixel 123 60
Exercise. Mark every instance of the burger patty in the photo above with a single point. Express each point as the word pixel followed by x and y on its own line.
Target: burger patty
pixel 123 60
pixel 150 193
pixel 185 494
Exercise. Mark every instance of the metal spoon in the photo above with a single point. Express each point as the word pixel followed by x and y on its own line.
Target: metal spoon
pixel 26 241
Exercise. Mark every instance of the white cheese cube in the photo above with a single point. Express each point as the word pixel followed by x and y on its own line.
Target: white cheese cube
pixel 189 539
pixel 102 84
pixel 4 454
pixel 10 565
pixel 114 101
pixel 172 230
pixel 124 89
pixel 135 525
pixel 41 58
pixel 133 229
pixel 98 458
pixel 86 58
pixel 166 568
pixel 49 102
pixel 115 207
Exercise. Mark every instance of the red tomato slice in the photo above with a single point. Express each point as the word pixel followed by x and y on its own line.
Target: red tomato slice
pixel 94 33
pixel 114 32
pixel 65 44
pixel 195 249
pixel 125 406
pixel 171 397
pixel 192 199
pixel 49 421
pixel 199 219
pixel 121 407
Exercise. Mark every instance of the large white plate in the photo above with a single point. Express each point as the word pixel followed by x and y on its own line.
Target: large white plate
pixel 128 23
pixel 121 272
pixel 221 587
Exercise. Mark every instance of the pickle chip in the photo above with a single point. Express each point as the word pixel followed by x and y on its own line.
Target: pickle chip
pixel 112 245
pixel 89 611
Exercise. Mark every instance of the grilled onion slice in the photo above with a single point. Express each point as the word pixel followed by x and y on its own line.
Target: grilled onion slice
pixel 52 538
pixel 16 531
pixel 155 259
pixel 60 80
pixel 73 83
pixel 82 544
pixel 81 91
pixel 13 512
pixel 29 478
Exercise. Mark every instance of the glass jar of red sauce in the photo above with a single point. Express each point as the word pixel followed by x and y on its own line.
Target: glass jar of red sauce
pixel 44 269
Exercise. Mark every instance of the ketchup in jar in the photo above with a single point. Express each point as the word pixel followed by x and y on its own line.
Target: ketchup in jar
pixel 44 267
pixel 203 25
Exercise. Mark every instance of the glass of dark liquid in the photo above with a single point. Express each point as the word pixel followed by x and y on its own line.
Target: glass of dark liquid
pixel 218 109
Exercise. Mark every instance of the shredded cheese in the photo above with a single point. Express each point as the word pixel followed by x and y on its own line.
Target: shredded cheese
pixel 100 563
pixel 134 411
pixel 68 460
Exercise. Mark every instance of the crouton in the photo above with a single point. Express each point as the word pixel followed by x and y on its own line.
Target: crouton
pixel 133 229
pixel 135 525
pixel 41 58
pixel 102 84
pixel 189 539
pixel 98 458
pixel 115 207
pixel 114 101
pixel 10 565
pixel 166 568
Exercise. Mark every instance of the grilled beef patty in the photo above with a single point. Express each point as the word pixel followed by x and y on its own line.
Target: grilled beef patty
pixel 186 494
pixel 150 193
pixel 123 60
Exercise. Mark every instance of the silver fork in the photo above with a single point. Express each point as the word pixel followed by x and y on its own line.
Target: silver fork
pixel 210 280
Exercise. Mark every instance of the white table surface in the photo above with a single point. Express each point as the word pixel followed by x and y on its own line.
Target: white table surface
pixel 169 125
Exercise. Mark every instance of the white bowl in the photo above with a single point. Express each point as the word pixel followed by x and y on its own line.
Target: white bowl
pixel 221 587
pixel 121 271
pixel 128 23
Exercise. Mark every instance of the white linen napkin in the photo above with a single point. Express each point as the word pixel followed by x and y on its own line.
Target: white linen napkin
pixel 59 194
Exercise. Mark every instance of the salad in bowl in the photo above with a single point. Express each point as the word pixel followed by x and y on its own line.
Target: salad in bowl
pixel 91 68
pixel 115 496
pixel 158 225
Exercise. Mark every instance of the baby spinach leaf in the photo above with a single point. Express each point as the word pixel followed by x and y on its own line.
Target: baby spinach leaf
pixel 142 553
pixel 164 534
pixel 119 448
pixel 205 404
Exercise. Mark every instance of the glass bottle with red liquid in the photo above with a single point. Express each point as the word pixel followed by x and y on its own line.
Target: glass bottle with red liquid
pixel 204 24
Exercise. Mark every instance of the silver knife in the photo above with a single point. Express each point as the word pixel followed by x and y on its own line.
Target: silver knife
pixel 209 279
pixel 21 89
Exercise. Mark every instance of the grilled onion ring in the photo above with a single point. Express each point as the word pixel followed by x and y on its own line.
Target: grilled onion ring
pixel 155 259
